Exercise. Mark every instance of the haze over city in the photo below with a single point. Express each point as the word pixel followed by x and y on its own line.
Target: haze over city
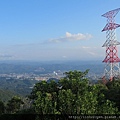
pixel 54 29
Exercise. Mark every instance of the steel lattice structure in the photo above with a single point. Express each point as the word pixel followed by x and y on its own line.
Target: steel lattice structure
pixel 112 60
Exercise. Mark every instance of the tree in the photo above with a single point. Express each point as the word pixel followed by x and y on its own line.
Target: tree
pixel 72 95
pixel 41 86
pixel 14 104
pixel 43 104
pixel 74 80
pixel 2 107
pixel 44 96
pixel 106 106
pixel 113 92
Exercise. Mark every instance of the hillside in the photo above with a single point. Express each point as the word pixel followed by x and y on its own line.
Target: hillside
pixel 20 87
pixel 6 95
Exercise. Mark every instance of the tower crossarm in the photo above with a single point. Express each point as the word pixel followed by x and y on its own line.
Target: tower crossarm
pixel 108 43
pixel 110 26
pixel 111 13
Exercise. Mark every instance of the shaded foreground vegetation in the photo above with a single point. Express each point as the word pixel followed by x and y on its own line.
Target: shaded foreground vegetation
pixel 12 86
pixel 72 95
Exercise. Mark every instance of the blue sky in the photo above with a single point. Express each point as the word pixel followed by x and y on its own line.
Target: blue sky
pixel 54 29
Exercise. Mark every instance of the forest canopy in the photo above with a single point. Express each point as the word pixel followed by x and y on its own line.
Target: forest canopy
pixel 73 94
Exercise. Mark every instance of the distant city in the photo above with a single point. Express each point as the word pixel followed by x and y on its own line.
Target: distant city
pixel 45 70
pixel 19 77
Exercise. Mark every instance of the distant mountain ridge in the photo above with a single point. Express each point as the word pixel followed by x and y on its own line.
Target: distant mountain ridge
pixel 33 67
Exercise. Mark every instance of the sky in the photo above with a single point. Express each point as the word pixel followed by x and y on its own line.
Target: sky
pixel 54 29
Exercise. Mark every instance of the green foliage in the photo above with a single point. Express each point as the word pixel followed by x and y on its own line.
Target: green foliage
pixel 14 104
pixel 115 84
pixel 6 95
pixel 66 101
pixel 15 86
pixel 72 95
pixel 2 107
pixel 113 92
pixel 43 104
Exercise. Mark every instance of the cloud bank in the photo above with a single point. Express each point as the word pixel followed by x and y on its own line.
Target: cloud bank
pixel 71 37
pixel 6 56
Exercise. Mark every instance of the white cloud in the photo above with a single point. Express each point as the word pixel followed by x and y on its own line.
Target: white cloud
pixel 64 56
pixel 85 47
pixel 71 37
pixel 6 56
pixel 92 53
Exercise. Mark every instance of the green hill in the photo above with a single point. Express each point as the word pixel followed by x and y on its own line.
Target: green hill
pixel 6 95
pixel 21 87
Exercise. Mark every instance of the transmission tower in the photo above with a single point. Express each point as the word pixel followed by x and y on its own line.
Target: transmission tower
pixel 111 60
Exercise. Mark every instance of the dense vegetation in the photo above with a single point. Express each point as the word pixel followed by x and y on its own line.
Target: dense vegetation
pixel 6 95
pixel 12 86
pixel 73 94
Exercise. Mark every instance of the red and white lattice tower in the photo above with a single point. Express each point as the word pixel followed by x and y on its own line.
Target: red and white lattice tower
pixel 112 68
